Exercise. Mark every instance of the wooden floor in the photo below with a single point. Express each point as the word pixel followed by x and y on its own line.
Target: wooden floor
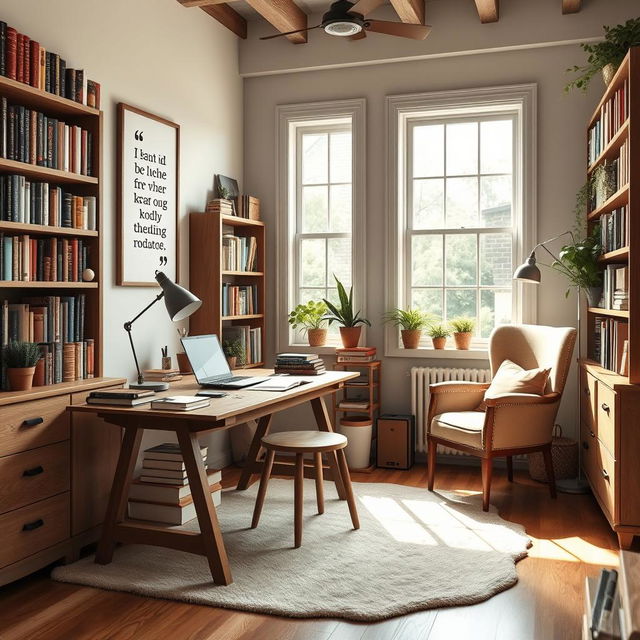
pixel 570 540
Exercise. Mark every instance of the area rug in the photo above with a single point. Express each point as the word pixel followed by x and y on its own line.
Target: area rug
pixel 415 550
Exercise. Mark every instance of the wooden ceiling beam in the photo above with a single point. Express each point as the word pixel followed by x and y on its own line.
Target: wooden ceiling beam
pixel 284 15
pixel 228 17
pixel 200 3
pixel 488 10
pixel 571 6
pixel 411 11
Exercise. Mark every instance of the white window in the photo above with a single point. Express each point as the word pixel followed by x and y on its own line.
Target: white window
pixel 320 200
pixel 463 209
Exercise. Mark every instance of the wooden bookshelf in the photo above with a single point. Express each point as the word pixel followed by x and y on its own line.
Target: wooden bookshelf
pixel 206 276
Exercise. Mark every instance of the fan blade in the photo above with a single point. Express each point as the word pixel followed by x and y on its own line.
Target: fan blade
pixel 359 36
pixel 288 33
pixel 402 29
pixel 363 7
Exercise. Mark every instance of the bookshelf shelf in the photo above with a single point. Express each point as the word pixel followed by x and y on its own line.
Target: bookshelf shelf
pixel 235 221
pixel 43 229
pixel 619 198
pixel 251 274
pixel 43 173
pixel 251 316
pixel 619 255
pixel 614 313
pixel 35 284
pixel 613 147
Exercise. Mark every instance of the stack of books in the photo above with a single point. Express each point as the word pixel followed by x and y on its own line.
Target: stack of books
pixel 180 403
pixel 224 207
pixel 120 397
pixel 162 375
pixel 162 492
pixel 615 294
pixel 356 355
pixel 299 364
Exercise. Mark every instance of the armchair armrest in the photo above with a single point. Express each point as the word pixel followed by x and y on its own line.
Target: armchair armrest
pixel 521 399
pixel 454 396
pixel 459 386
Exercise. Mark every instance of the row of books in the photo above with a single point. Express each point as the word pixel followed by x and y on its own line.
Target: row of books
pixel 239 253
pixel 65 362
pixel 250 338
pixel 356 354
pixel 611 343
pixel 53 259
pixel 299 364
pixel 27 61
pixel 623 176
pixel 25 201
pixel 613 115
pixel 239 300
pixel 30 136
pixel 615 289
pixel 614 229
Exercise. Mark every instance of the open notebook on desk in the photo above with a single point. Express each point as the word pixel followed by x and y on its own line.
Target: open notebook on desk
pixel 277 383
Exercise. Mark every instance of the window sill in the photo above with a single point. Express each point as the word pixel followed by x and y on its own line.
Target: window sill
pixel 478 353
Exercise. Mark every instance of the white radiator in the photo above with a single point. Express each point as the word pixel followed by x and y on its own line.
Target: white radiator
pixel 421 378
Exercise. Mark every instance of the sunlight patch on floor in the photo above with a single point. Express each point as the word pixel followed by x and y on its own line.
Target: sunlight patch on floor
pixel 573 549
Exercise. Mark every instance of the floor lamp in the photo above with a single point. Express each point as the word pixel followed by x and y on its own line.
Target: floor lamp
pixel 529 272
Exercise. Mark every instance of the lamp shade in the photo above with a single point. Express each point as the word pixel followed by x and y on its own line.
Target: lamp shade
pixel 528 271
pixel 180 302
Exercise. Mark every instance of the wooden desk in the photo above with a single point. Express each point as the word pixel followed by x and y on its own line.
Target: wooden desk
pixel 223 413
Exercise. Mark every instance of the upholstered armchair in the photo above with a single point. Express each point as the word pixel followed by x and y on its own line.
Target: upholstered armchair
pixel 510 424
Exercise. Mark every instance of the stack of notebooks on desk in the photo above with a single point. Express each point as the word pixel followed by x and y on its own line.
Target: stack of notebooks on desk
pixel 120 397
pixel 162 375
pixel 299 364
pixel 180 403
pixel 356 355
pixel 162 492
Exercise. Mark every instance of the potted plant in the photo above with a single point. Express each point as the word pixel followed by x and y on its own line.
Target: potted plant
pixel 411 321
pixel 607 55
pixel 234 351
pixel 311 317
pixel 350 322
pixel 20 359
pixel 439 334
pixel 463 331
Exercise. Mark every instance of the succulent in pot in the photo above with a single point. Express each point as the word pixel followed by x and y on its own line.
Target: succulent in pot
pixel 311 317
pixel 235 352
pixel 439 333
pixel 21 358
pixel 463 329
pixel 411 322
pixel 350 322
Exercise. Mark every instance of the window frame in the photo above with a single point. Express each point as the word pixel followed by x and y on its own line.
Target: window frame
pixel 290 121
pixel 403 113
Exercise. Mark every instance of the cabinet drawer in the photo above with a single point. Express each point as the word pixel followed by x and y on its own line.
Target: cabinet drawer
pixel 33 528
pixel 588 398
pixel 606 423
pixel 600 468
pixel 33 475
pixel 28 425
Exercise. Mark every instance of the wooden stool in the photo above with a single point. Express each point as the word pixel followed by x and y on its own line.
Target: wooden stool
pixel 301 442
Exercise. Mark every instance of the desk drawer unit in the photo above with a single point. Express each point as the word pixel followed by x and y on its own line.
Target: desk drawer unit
pixel 599 467
pixel 606 417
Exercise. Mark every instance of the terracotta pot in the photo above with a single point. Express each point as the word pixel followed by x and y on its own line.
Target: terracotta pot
pixel 463 340
pixel 439 343
pixel 232 361
pixel 183 363
pixel 317 337
pixel 411 338
pixel 608 71
pixel 20 379
pixel 350 336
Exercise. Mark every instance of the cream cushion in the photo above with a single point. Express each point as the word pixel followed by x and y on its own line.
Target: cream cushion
pixel 463 427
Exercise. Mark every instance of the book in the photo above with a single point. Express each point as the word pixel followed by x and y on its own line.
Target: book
pixel 355 359
pixel 279 383
pixel 119 402
pixel 300 372
pixel 348 404
pixel 167 493
pixel 174 465
pixel 163 473
pixel 297 357
pixel 180 403
pixel 169 451
pixel 364 351
pixel 130 394
pixel 182 482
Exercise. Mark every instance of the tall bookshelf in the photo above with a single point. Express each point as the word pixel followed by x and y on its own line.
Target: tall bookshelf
pixel 207 277
pixel 72 113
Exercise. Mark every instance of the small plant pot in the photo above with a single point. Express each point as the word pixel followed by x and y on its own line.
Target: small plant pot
pixel 21 379
pixel 608 71
pixel 317 337
pixel 183 363
pixel 411 338
pixel 463 340
pixel 350 336
pixel 232 362
pixel 439 343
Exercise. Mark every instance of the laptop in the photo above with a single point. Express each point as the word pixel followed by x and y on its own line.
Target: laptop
pixel 210 366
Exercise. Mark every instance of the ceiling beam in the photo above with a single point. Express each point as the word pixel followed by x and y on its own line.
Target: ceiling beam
pixel 411 11
pixel 228 17
pixel 488 10
pixel 284 15
pixel 200 3
pixel 571 6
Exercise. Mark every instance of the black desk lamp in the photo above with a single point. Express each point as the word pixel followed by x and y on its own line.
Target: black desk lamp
pixel 180 304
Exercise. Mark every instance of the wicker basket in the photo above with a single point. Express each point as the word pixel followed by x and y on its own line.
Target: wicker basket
pixel 564 453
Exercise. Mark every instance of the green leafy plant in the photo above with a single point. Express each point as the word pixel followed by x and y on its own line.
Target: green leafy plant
pixel 612 50
pixel 21 355
pixel 439 330
pixel 578 261
pixel 463 325
pixel 344 314
pixel 223 192
pixel 311 315
pixel 234 349
pixel 408 319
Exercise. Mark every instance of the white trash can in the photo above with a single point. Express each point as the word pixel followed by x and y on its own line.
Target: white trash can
pixel 358 430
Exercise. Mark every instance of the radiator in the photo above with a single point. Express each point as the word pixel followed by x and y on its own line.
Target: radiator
pixel 421 378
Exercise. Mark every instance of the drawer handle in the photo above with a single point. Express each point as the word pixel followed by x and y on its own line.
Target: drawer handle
pixel 36 524
pixel 36 471
pixel 605 475
pixel 587 391
pixel 32 422
pixel 593 435
pixel 605 407
pixel 585 445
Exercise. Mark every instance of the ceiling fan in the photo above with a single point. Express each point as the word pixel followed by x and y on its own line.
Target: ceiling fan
pixel 347 19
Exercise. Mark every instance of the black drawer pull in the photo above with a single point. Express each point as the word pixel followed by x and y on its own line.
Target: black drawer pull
pixel 32 422
pixel 36 524
pixel 605 475
pixel 36 471
pixel 585 445
pixel 605 407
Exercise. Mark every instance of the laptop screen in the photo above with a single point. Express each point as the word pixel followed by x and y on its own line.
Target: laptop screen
pixel 206 357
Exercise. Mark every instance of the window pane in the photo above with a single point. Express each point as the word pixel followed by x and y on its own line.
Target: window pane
pixel 462 202
pixel 428 204
pixel 495 201
pixel 314 158
pixel 312 263
pixel 429 300
pixel 496 150
pixel 426 260
pixel 315 205
pixel 495 259
pixel 340 216
pixel 495 309
pixel 461 302
pixel 340 261
pixel 461 267
pixel 462 149
pixel 428 151
pixel 311 294
pixel 340 166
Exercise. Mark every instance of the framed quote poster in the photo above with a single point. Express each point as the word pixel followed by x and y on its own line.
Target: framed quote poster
pixel 147 197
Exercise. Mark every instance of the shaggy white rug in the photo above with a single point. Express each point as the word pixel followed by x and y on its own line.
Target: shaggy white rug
pixel 415 550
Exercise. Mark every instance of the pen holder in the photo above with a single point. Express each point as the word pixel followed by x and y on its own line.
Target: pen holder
pixel 166 362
